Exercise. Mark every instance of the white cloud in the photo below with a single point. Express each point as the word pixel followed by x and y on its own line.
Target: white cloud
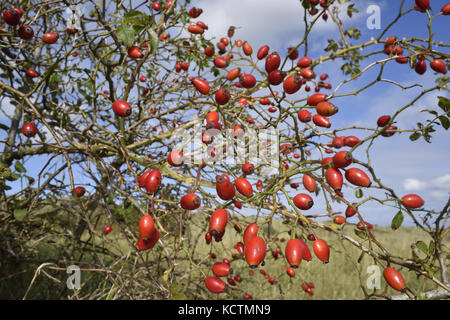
pixel 442 182
pixel 439 195
pixel 412 184
pixel 6 109
pixel 257 21
pixel 278 24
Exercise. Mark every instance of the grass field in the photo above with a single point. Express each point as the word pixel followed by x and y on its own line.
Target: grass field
pixel 341 278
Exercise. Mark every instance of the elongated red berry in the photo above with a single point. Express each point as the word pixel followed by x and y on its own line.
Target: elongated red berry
pixel 350 212
pixel 153 181
pixel 215 285
pixel 339 219
pixel 321 250
pixel 233 74
pixel 195 29
pixel 308 74
pixel 292 84
pixel 244 187
pixel 201 85
pixel 223 96
pixel 50 37
pixel 250 232
pixel 334 178
pixel 25 32
pixel 32 73
pixel 294 252
pixel 338 142
pixel 315 99
pixel 351 141
pixel 262 52
pixel 304 62
pixel 190 201
pixel 255 251
pixel 321 121
pixel 342 159
pixel 423 4
pixel 134 52
pixel 439 66
pixel 357 177
pixel 150 243
pixel 276 77
pixel 247 80
pixel 218 222
pixel 412 201
pixel 12 16
pixel 446 9
pixel 304 116
pixel 247 48
pixel 292 53
pixel 306 253
pixel 326 109
pixel 221 269
pixel 309 183
pixel 421 67
pixel 394 279
pixel 303 201
pixel 121 108
pixel 146 227
pixel 107 230
pixel 79 191
pixel 272 62
pixel 225 189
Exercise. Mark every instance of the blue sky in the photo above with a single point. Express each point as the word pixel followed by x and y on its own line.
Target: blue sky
pixel 407 167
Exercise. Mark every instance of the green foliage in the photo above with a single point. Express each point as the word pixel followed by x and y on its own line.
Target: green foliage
pixel 397 220
pixel 126 33
pixel 20 214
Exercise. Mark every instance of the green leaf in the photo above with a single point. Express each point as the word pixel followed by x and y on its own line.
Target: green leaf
pixel 55 78
pixel 445 122
pixel 13 177
pixel 414 136
pixel 4 127
pixel 431 248
pixel 19 167
pixel 154 41
pixel 125 33
pixel 358 193
pixel 132 13
pixel 444 103
pixel 351 9
pixel 422 246
pixel 30 179
pixel 20 214
pixel 360 233
pixel 179 296
pixel 397 220
pixel 306 4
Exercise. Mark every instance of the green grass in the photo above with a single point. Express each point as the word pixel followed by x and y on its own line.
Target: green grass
pixel 341 278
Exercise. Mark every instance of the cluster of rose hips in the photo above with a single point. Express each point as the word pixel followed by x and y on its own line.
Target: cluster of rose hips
pixel 221 270
pixel 420 67
pixel 12 17
pixel 314 10
pixel 253 246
